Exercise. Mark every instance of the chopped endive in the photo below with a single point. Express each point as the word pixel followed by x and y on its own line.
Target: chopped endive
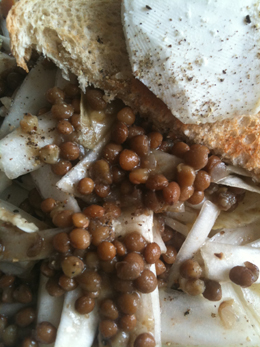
pixel 220 258
pixel 247 211
pixel 30 97
pixel 19 218
pixel 76 329
pixel 166 164
pixel 195 239
pixel 176 225
pixel 48 307
pixel 19 246
pixel 19 150
pixel 194 321
pixel 237 182
pixel 46 182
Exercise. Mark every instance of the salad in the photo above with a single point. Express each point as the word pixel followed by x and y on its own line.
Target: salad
pixel 113 234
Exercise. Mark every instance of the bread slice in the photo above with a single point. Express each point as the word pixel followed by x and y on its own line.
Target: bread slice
pixel 86 37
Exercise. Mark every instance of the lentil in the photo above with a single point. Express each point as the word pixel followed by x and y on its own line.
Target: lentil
pixel 80 238
pixel 53 287
pixel 84 305
pixel 25 317
pixel 54 95
pixel 186 193
pixel 61 242
pixel 48 205
pixel 213 291
pixel 126 115
pixel 135 131
pixel 69 150
pixel 10 335
pixel 160 267
pixel 140 145
pixel 190 269
pixel 90 280
pixel 139 176
pixel 242 276
pixel 29 123
pixel 155 139
pixel 170 255
pixel 119 133
pixel 95 99
pixel 80 220
pixel 45 333
pixel 144 340
pixel 71 90
pixel 127 303
pixel 106 251
pixel 196 198
pixel 197 156
pixel 67 283
pixel 134 242
pixel 128 160
pixel 127 322
pixel 75 121
pixel 171 193
pixel 23 294
pixel 185 175
pixel 108 309
pixel 61 167
pixel 146 282
pixel 111 152
pixel 72 266
pixel 64 127
pixel 102 190
pixel 62 111
pixel 108 328
pixel 180 148
pixel 94 211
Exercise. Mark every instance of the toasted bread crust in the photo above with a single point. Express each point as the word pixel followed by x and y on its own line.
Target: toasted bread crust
pixel 236 141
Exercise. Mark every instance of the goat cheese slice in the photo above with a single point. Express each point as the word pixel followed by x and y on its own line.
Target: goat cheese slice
pixel 202 58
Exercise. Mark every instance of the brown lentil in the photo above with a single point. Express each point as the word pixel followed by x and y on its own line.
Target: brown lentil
pixel 128 160
pixel 62 111
pixel 213 291
pixel 120 248
pixel 64 127
pixel 194 287
pixel 127 303
pixel 144 340
pixel 80 238
pixel 118 174
pixel 170 255
pixel 108 309
pixel 6 281
pixel 80 220
pixel 156 182
pixel 10 335
pixel 54 95
pixel 29 342
pixel 106 251
pixel 179 149
pixel 242 276
pixel 108 328
pixel 146 282
pixel 156 139
pixel 53 287
pixel 75 121
pixel 102 190
pixel 67 283
pixel 126 115
pixel 94 211
pixel 185 175
pixel 61 242
pixel 123 286
pixel 45 333
pixel 72 266
pixel 119 133
pixel 90 280
pixel 202 180
pixel 99 235
pixel 127 322
pixel 190 269
pixel 86 186
pixel 140 145
pixel 69 150
pixel 139 176
pixel 160 267
pixel 128 270
pixel 171 193
pixel 152 253
pixel 95 99
pixel 49 154
pixel 61 167
pixel 196 198
pixel 84 305
pixel 111 152
pixel 186 193
pixel 135 131
pixel 71 90
pixel 108 266
pixel 46 270
pixel 112 210
pixel 134 242
pixel 23 294
pixel 47 205
pixel 197 156
pixel 25 317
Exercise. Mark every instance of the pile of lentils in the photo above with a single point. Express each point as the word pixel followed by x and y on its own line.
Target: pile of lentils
pixel 90 256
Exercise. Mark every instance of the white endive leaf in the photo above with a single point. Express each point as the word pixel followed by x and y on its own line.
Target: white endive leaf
pixel 19 151
pixel 46 181
pixel 30 96
pixel 76 329
pixel 194 321
pixel 234 181
pixel 195 239
pixel 220 258
pixel 48 307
